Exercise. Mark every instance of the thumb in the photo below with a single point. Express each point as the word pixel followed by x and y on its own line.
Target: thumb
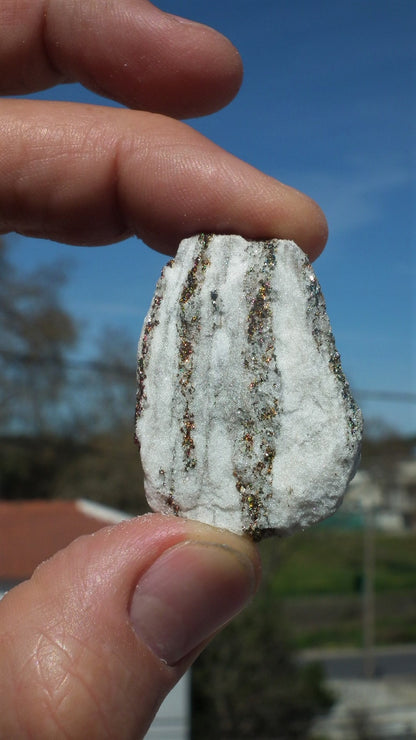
pixel 91 645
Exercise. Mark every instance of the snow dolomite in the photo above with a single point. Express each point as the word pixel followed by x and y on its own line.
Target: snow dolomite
pixel 244 417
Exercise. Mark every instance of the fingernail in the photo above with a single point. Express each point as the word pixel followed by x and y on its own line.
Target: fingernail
pixel 192 590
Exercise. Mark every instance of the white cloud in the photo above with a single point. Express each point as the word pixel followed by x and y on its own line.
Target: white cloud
pixel 357 195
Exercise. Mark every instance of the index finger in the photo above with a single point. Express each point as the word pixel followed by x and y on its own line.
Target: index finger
pixel 127 50
pixel 95 175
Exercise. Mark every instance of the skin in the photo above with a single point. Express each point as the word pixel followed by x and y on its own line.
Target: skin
pixel 78 649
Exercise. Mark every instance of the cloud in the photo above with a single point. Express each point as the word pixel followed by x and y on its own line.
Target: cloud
pixel 358 195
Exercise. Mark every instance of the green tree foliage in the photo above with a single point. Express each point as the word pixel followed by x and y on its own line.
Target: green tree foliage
pixel 105 468
pixel 30 465
pixel 107 471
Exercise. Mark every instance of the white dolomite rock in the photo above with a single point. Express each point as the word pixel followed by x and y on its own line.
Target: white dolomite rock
pixel 245 419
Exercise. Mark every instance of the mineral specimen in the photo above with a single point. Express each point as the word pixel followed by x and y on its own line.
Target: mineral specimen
pixel 244 417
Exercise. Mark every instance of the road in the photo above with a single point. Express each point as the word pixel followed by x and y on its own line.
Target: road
pixel 397 660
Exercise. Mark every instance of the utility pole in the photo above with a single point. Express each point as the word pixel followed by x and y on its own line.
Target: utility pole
pixel 368 594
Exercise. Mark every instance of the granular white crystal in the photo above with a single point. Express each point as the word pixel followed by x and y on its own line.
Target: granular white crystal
pixel 244 418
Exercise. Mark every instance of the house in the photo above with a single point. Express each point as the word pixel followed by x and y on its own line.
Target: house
pixel 363 492
pixel 31 531
pixel 406 480
pixel 392 505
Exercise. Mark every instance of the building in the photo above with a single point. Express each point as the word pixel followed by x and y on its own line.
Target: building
pixel 392 505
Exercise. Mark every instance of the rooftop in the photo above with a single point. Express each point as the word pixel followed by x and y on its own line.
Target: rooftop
pixel 32 531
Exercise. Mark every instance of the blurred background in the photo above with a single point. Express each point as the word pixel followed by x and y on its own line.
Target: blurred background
pixel 328 105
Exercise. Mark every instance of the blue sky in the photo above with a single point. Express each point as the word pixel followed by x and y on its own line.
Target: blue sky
pixel 328 105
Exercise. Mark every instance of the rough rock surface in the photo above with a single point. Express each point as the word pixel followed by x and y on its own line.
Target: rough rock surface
pixel 244 417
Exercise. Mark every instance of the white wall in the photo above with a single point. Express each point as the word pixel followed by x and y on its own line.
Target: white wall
pixel 172 721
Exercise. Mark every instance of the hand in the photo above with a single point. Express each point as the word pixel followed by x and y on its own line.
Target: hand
pixel 93 642
pixel 93 175
pixel 91 645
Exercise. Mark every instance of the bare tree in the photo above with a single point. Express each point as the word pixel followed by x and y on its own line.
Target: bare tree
pixel 112 397
pixel 35 335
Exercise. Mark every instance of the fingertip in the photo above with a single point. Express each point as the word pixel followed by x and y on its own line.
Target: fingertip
pixel 320 234
pixel 224 58
pixel 186 595
pixel 306 223
pixel 215 192
pixel 214 74
pixel 172 182
pixel 205 533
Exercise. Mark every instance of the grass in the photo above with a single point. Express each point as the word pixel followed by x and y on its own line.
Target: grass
pixel 318 575
pixel 331 562
pixel 333 621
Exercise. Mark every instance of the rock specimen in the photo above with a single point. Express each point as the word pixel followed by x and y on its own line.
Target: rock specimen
pixel 244 418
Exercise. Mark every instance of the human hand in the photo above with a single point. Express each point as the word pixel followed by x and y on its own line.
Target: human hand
pixel 90 646
pixel 84 651
pixel 93 174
